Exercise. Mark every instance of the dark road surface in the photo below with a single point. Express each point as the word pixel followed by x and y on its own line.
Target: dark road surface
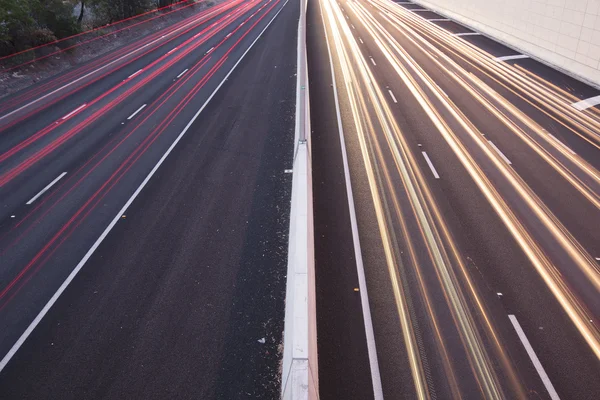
pixel 175 302
pixel 458 305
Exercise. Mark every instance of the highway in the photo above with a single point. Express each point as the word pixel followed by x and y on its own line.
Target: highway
pixel 457 196
pixel 144 214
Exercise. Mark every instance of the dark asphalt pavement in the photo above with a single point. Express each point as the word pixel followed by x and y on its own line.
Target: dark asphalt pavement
pixel 489 270
pixel 173 303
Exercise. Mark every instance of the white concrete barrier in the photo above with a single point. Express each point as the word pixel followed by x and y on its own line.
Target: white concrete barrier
pixel 562 33
pixel 299 378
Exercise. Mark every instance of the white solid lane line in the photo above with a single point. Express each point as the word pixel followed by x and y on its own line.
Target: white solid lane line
pixel 501 154
pixel 182 72
pixel 561 143
pixel 137 72
pixel 360 268
pixel 468 34
pixel 137 111
pixel 15 347
pixel 73 112
pixel 373 61
pixel 44 190
pixel 515 57
pixel 586 103
pixel 536 362
pixel 392 96
pixel 435 174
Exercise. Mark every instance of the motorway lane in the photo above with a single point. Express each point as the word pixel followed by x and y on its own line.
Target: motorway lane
pixel 91 174
pixel 250 117
pixel 569 206
pixel 344 371
pixel 114 91
pixel 17 106
pixel 490 256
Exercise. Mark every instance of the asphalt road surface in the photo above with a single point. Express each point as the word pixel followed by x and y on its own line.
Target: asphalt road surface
pixel 152 180
pixel 476 191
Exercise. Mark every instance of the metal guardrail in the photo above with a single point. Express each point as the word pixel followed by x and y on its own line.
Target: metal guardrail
pixel 299 378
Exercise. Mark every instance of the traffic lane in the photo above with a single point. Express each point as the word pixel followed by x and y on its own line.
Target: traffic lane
pixel 119 63
pixel 422 303
pixel 565 82
pixel 344 371
pixel 492 250
pixel 485 43
pixel 170 73
pixel 205 247
pixel 120 56
pixel 135 59
pixel 562 126
pixel 562 122
pixel 41 253
pixel 392 352
pixel 555 192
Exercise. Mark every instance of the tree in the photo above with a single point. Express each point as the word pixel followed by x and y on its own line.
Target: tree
pixel 115 10
pixel 81 11
pixel 29 23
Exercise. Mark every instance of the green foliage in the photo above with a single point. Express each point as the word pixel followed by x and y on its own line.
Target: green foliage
pixel 28 23
pixel 108 11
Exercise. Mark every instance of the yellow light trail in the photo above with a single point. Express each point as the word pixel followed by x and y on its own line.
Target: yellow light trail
pixel 550 274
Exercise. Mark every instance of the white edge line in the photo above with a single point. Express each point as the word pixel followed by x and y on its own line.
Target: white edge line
pixel 136 111
pixel 392 96
pixel 362 281
pixel 182 72
pixel 44 190
pixel 586 103
pixel 435 174
pixel 501 154
pixel 74 111
pixel 91 251
pixel 536 362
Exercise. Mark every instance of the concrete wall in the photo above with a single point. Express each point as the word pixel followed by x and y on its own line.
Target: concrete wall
pixel 563 33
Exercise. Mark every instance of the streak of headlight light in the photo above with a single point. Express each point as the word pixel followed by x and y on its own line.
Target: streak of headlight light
pixel 544 267
pixel 484 372
pixel 419 380
pixel 559 167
